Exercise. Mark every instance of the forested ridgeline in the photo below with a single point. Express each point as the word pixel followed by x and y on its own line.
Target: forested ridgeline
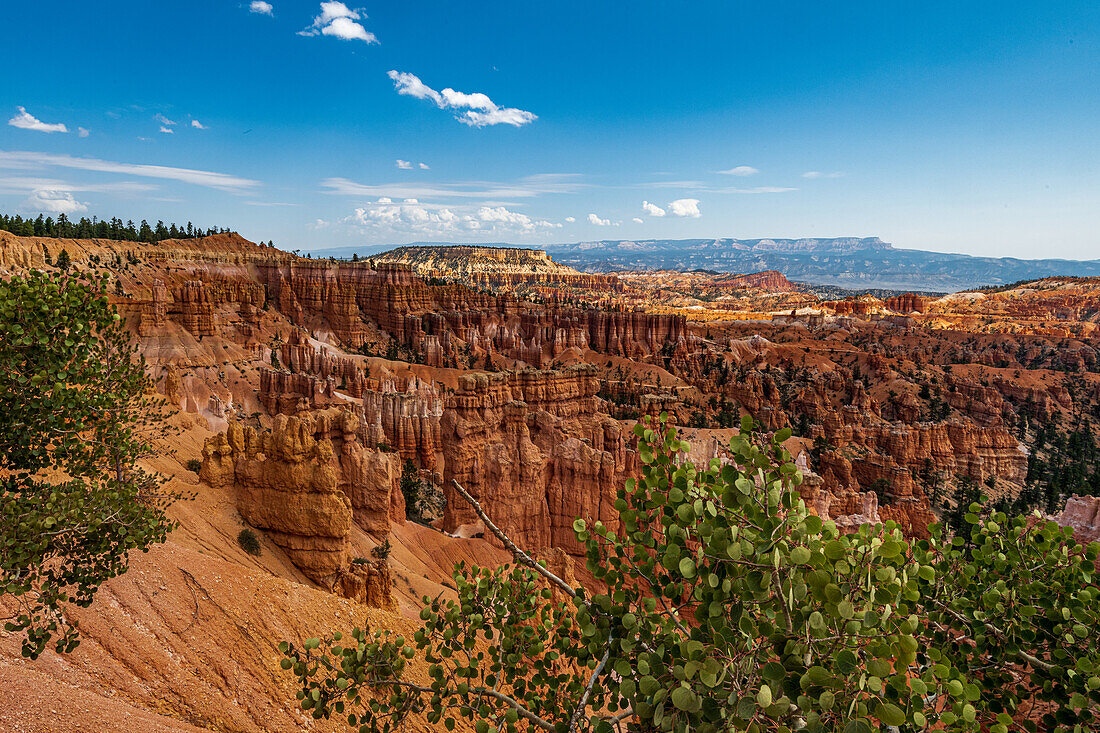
pixel 63 228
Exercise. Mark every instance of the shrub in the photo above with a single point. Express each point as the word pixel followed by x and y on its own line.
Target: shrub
pixel 383 550
pixel 249 542
pixel 194 465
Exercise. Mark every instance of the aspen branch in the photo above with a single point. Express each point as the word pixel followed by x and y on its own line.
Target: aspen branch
pixel 519 707
pixel 588 690
pixel 519 554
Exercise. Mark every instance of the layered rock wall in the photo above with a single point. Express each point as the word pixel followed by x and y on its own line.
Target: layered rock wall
pixel 534 448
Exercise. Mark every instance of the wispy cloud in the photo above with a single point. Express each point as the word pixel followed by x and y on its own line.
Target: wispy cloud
pixel 523 188
pixel 28 184
pixel 570 219
pixel 167 130
pixel 404 165
pixel 820 174
pixel 423 166
pixel 198 125
pixel 700 186
pixel 82 132
pixel 24 120
pixel 755 189
pixel 261 8
pixel 339 21
pixel 163 120
pixel 741 170
pixel 207 179
pixel 475 110
pixel 638 220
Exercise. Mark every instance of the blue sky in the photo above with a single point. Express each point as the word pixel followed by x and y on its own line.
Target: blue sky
pixel 970 127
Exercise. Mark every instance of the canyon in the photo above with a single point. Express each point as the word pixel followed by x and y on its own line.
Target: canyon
pixel 312 390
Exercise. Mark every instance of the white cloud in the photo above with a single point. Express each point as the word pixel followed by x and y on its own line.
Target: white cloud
pixel 638 220
pixel 219 181
pixel 404 165
pixel 26 121
pixel 163 120
pixel 652 209
pixel 411 86
pixel 820 174
pixel 475 110
pixel 684 207
pixel 477 100
pixel 82 132
pixel 593 219
pixel 412 216
pixel 423 166
pixel 260 7
pixel 498 116
pixel 198 125
pixel 339 21
pixel 741 170
pixel 570 219
pixel 167 130
pixel 501 215
pixel 51 201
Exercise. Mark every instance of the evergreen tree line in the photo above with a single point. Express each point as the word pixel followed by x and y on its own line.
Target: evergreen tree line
pixel 63 228
pixel 1062 462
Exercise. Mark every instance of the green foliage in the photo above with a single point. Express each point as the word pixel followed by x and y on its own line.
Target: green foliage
pixel 382 551
pixel 249 542
pixel 1013 614
pixel 45 226
pixel 729 607
pixel 410 489
pixel 74 423
pixel 194 465
pixel 64 261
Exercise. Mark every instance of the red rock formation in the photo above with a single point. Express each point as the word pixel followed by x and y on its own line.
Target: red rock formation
pixel 908 303
pixel 1083 514
pixel 533 447
pixel 861 306
pixel 770 280
pixel 304 483
pixel 403 414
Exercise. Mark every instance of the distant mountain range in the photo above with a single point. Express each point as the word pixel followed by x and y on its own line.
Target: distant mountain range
pixel 850 262
pixel 855 263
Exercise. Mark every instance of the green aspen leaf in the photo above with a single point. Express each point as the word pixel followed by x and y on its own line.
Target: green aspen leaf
pixel 890 714
pixel 687 567
pixel 800 555
pixel 683 698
